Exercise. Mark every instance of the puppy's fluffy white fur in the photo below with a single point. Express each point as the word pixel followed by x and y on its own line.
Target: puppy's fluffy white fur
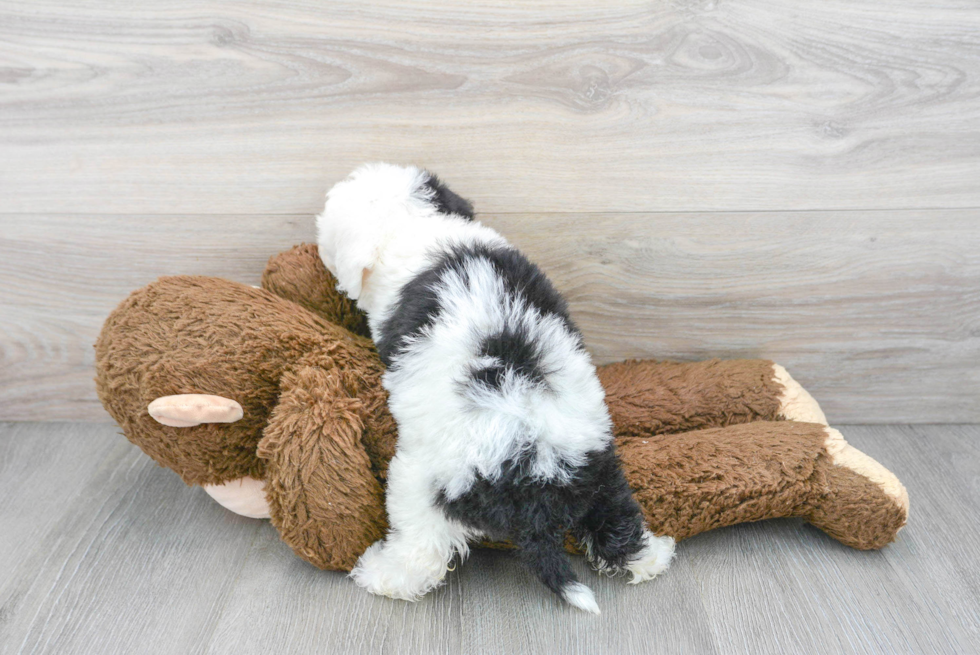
pixel 380 230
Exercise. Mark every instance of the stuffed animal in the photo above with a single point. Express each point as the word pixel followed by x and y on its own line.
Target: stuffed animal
pixel 271 400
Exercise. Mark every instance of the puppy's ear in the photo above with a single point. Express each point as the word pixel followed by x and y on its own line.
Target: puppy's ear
pixel 446 200
pixel 353 263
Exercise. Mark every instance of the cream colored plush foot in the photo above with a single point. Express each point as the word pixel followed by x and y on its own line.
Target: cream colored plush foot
pixel 796 403
pixel 244 496
pixel 189 409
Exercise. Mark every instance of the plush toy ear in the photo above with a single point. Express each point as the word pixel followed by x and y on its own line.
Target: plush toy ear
pixel 187 410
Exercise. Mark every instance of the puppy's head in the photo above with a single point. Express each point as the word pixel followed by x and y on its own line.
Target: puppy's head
pixel 369 209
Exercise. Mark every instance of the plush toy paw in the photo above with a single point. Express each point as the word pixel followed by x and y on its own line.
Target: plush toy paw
pixel 244 496
pixel 653 560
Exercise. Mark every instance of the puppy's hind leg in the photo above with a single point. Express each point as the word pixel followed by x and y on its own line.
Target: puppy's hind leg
pixel 414 557
pixel 613 532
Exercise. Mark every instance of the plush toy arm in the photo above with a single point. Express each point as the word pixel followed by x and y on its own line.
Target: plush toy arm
pixel 648 397
pixel 300 276
pixel 323 497
pixel 692 482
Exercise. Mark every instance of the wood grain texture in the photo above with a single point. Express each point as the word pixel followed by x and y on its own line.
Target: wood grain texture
pixel 120 558
pixel 876 313
pixel 112 554
pixel 60 276
pixel 797 590
pixel 683 105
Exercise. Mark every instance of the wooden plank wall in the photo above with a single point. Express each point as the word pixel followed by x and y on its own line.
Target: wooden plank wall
pixel 792 180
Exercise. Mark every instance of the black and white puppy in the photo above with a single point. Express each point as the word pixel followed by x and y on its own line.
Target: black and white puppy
pixel 503 428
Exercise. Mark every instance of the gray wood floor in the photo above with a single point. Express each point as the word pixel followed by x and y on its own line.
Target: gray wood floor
pixel 104 552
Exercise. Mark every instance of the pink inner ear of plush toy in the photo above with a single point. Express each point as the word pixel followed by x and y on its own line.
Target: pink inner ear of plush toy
pixel 190 409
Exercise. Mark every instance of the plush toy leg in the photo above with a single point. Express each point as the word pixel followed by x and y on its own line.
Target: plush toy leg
pixel 646 396
pixel 692 482
pixel 323 497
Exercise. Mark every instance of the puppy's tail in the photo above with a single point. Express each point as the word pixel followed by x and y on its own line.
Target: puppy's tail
pixel 547 559
pixel 578 595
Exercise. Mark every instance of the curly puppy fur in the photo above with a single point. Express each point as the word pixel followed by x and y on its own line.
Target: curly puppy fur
pixel 503 428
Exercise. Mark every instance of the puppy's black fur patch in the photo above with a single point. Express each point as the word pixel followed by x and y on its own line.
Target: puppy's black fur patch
pixel 597 507
pixel 446 200
pixel 513 350
pixel 418 303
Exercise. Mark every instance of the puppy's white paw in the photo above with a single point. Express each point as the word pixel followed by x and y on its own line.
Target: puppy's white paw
pixel 384 571
pixel 653 559
pixel 371 570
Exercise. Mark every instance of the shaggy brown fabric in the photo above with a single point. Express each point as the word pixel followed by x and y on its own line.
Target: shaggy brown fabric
pixel 323 496
pixel 299 275
pixel 664 397
pixel 852 510
pixel 206 335
pixel 710 478
pixel 317 427
pixel 690 483
pixel 310 387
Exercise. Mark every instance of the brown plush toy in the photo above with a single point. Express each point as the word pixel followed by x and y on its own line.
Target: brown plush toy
pixel 271 399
